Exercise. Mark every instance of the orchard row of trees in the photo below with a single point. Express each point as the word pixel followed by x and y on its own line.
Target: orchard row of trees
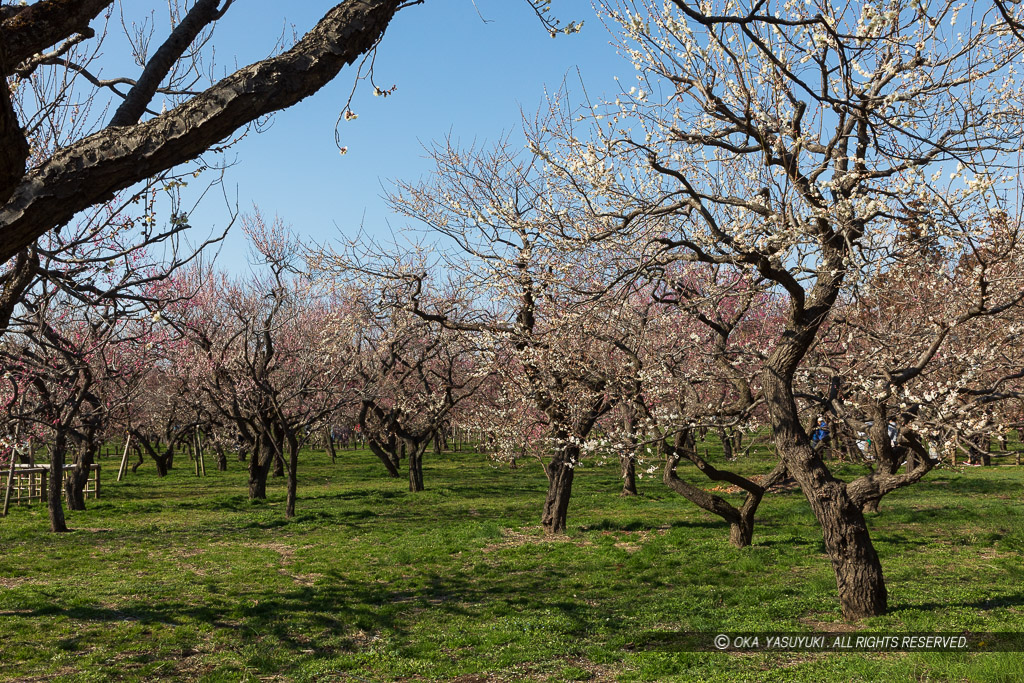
pixel 797 211
pixel 261 365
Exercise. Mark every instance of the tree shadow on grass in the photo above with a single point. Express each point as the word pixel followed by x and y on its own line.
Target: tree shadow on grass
pixel 235 503
pixel 360 495
pixel 901 542
pixel 335 615
pixel 1013 600
pixel 608 524
pixel 974 485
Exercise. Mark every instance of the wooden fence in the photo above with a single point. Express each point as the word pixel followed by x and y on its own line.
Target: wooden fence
pixel 28 482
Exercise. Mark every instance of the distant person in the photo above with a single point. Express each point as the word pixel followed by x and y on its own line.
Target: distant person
pixel 821 432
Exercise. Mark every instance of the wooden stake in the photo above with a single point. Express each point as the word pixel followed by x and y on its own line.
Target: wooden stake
pixel 10 473
pixel 199 453
pixel 124 459
pixel 10 485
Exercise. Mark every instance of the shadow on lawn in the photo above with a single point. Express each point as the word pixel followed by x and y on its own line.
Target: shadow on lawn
pixel 335 616
pixel 617 525
pixel 1015 600
pixel 967 484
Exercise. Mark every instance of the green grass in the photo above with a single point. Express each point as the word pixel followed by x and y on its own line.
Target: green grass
pixel 184 578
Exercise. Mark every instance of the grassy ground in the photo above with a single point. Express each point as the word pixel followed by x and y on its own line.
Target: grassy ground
pixel 184 578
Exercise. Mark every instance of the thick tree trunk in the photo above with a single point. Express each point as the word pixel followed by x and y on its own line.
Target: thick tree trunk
pixel 741 532
pixel 278 465
pixel 628 475
pixel 74 486
pixel 737 440
pixel 259 468
pixel 386 456
pixel 741 520
pixel 75 483
pixel 556 506
pixel 415 453
pixel 257 479
pixel 163 462
pixel 727 452
pixel 627 462
pixel 55 485
pixel 858 571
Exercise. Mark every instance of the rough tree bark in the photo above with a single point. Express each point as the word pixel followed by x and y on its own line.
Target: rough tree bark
pixel 387 454
pixel 260 460
pixel 278 465
pixel 163 462
pixel 628 463
pixel 726 441
pixel 93 169
pixel 741 519
pixel 55 484
pixel 560 473
pixel 15 281
pixel 79 476
pixel 415 452
pixel 858 570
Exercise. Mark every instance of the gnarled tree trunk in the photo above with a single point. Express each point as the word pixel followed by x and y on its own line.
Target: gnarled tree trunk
pixel 76 477
pixel 278 465
pixel 387 454
pixel 560 473
pixel 55 484
pixel 628 463
pixel 741 519
pixel 260 460
pixel 163 462
pixel 858 571
pixel 415 452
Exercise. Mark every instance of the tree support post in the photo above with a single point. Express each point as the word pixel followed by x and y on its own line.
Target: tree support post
pixel 200 463
pixel 124 459
pixel 10 485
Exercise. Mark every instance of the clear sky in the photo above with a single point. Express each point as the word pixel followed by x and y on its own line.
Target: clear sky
pixel 454 72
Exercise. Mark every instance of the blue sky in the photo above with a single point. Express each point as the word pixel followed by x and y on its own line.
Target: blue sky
pixel 453 72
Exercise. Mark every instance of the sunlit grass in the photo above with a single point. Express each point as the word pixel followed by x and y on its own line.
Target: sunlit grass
pixel 185 578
